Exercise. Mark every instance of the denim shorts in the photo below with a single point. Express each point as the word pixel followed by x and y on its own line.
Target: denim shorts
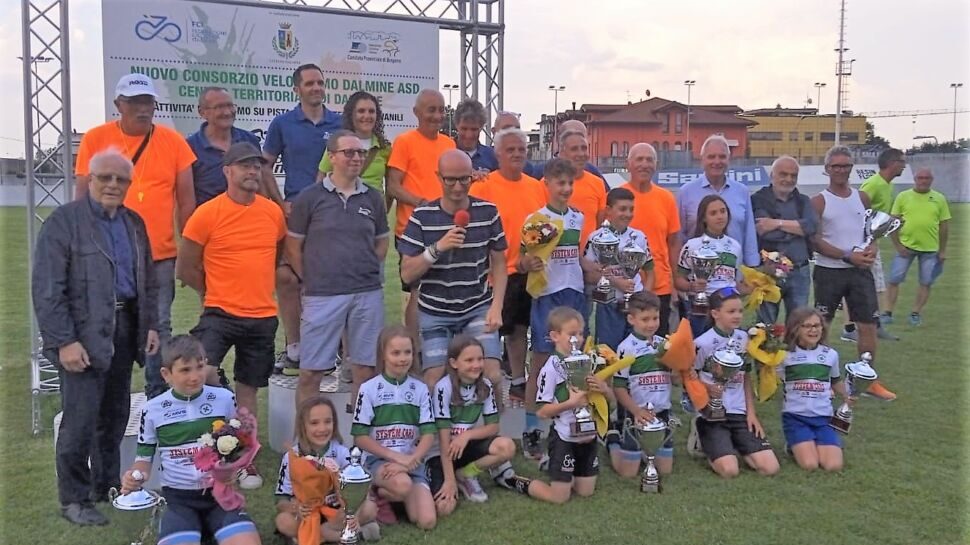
pixel 929 267
pixel 437 332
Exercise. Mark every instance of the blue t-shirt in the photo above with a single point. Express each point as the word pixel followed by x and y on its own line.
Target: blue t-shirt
pixel 207 175
pixel 300 143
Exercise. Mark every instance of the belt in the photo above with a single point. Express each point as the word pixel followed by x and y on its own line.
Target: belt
pixel 125 304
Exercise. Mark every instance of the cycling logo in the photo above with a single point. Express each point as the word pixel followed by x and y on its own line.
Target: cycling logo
pixel 568 463
pixel 285 43
pixel 158 26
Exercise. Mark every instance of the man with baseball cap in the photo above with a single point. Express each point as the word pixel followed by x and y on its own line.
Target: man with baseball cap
pixel 161 188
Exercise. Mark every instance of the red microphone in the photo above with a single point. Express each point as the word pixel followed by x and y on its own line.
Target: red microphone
pixel 462 217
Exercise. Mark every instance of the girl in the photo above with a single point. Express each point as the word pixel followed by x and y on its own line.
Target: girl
pixel 461 398
pixel 393 424
pixel 741 433
pixel 713 218
pixel 318 436
pixel 810 373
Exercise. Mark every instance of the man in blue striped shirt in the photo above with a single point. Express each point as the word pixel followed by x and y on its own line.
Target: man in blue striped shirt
pixel 453 264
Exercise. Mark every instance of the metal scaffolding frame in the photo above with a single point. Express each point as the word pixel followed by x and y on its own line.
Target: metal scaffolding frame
pixel 49 145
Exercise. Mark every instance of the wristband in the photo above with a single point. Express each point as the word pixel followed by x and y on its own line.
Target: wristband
pixel 430 253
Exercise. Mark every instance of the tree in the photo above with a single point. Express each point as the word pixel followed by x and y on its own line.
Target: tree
pixel 871 137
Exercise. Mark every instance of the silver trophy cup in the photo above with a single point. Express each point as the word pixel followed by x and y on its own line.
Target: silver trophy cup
pixel 354 484
pixel 724 365
pixel 651 436
pixel 606 245
pixel 632 259
pixel 703 262
pixel 577 366
pixel 142 511
pixel 877 225
pixel 859 376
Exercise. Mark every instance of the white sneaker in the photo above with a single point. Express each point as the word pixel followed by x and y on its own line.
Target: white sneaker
pixel 471 489
pixel 371 531
pixel 250 479
pixel 694 440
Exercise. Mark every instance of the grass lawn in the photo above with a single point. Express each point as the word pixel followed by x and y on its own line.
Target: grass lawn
pixel 903 482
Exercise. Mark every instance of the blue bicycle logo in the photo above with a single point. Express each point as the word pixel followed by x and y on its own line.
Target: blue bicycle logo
pixel 154 26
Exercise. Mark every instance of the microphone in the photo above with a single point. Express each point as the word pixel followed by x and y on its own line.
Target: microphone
pixel 462 217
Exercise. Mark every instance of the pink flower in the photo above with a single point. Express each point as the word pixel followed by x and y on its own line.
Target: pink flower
pixel 205 459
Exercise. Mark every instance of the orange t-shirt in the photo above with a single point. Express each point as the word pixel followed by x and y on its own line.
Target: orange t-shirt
pixel 417 157
pixel 516 201
pixel 239 253
pixel 589 197
pixel 655 213
pixel 152 190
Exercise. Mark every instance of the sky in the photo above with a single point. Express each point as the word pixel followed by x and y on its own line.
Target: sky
pixel 755 54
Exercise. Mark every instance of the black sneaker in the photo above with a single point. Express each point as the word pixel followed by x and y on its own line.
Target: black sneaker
pixel 612 437
pixel 291 367
pixel 83 515
pixel 532 444
pixel 517 391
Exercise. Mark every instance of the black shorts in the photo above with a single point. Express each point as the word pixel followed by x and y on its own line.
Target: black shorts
pixel 568 460
pixel 476 449
pixel 517 307
pixel 254 339
pixel 196 513
pixel 855 285
pixel 728 438
pixel 664 328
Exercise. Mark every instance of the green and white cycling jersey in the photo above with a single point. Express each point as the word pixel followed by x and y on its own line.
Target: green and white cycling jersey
pixel 394 412
pixel 334 451
pixel 808 376
pixel 647 380
pixel 711 341
pixel 460 417
pixel 728 269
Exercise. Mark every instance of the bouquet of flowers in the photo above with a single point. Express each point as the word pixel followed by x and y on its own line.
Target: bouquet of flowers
pixel 540 234
pixel 766 345
pixel 764 279
pixel 223 454
pixel 316 486
pixel 775 264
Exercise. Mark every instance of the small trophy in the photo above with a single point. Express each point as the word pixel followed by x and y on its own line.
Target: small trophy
pixel 859 376
pixel 577 366
pixel 354 484
pixel 724 365
pixel 606 245
pixel 651 436
pixel 703 261
pixel 632 258
pixel 877 225
pixel 135 504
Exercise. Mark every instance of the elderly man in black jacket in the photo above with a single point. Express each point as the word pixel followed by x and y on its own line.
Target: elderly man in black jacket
pixel 95 298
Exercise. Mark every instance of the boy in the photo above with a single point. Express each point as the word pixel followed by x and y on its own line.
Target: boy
pixel 611 326
pixel 646 381
pixel 171 425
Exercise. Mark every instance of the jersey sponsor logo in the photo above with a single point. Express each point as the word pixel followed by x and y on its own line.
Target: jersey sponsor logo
pixel 390 434
pixel 565 253
pixel 409 397
pixel 458 430
pixel 808 386
pixel 568 463
pixel 364 211
pixel 187 452
pixel 387 396
pixel 211 396
pixel 205 409
pixel 175 413
pixel 651 379
pixel 360 404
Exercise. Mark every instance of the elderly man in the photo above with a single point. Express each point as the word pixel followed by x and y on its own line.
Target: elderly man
pixel 337 240
pixel 454 264
pixel 843 268
pixel 161 188
pixel 535 169
pixel 785 221
pixel 95 298
pixel 589 191
pixel 926 227
pixel 228 255
pixel 517 196
pixel 655 214
pixel 211 141
pixel 715 154
pixel 470 119
pixel 505 120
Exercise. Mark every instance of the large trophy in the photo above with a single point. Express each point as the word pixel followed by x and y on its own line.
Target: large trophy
pixel 136 506
pixel 651 436
pixel 632 258
pixel 877 225
pixel 354 484
pixel 703 261
pixel 606 245
pixel 577 366
pixel 859 376
pixel 724 364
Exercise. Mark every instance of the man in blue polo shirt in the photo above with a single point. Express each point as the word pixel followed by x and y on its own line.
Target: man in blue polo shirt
pixel 212 140
pixel 469 121
pixel 298 137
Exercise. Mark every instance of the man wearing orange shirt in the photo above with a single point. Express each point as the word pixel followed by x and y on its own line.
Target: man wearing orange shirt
pixel 516 196
pixel 589 192
pixel 161 188
pixel 655 213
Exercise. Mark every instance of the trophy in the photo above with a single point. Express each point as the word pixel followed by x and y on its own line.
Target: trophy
pixel 631 258
pixel 877 225
pixel 859 376
pixel 651 436
pixel 134 504
pixel 606 245
pixel 354 484
pixel 724 364
pixel 703 261
pixel 577 366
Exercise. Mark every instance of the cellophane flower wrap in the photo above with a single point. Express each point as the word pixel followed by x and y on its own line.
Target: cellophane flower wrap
pixel 317 487
pixel 763 280
pixel 223 453
pixel 766 346
pixel 540 235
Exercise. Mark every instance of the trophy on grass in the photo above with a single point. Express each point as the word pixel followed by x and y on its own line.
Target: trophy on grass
pixel 135 505
pixel 606 245
pixel 651 436
pixel 354 484
pixel 703 261
pixel 877 225
pixel 577 366
pixel 859 375
pixel 632 258
pixel 724 364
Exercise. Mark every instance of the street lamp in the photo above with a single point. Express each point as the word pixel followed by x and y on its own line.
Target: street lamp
pixel 451 88
pixel 689 83
pixel 818 102
pixel 955 86
pixel 555 113
pixel 818 113
pixel 936 143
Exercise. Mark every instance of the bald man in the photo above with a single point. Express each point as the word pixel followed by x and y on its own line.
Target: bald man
pixel 535 169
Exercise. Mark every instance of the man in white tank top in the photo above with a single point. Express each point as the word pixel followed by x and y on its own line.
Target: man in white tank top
pixel 842 271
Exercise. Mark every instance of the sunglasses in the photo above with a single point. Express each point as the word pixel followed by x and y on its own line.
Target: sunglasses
pixel 108 178
pixel 349 153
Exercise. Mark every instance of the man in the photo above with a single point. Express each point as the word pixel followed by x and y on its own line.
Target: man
pixel 505 120
pixel 411 174
pixel 337 240
pixel 589 191
pixel 454 265
pixel 228 255
pixel 161 189
pixel 715 154
pixel 516 196
pixel 926 227
pixel 94 295
pixel 535 169
pixel 785 221
pixel 843 269
pixel 298 137
pixel 469 120
pixel 655 214
pixel 213 138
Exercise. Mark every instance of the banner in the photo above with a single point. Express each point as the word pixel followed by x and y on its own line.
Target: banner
pixel 758 176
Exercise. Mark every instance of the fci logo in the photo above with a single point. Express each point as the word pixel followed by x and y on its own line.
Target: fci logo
pixel 158 26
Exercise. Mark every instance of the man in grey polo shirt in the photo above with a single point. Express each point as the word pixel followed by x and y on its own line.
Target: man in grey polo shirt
pixel 337 239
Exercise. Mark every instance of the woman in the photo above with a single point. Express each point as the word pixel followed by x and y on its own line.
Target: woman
pixel 362 114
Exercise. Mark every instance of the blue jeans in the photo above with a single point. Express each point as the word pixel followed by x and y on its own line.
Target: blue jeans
pixel 165 275
pixel 437 332
pixel 794 292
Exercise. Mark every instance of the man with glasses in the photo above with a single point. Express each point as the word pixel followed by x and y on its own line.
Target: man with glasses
pixel 161 188
pixel 212 140
pixel 454 264
pixel 337 240
pixel 94 294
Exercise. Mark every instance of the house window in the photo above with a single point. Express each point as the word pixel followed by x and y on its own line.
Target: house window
pixel 614 149
pixel 850 136
pixel 665 123
pixel 626 149
pixel 827 137
pixel 676 146
pixel 765 135
pixel 666 146
pixel 678 122
pixel 809 136
pixel 793 136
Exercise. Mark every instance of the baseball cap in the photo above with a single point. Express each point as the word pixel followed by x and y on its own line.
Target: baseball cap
pixel 241 151
pixel 134 85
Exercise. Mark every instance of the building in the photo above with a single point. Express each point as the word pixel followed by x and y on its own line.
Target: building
pixel 800 132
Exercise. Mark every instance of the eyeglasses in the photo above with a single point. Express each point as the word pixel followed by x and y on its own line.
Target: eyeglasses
pixel 840 167
pixel 108 178
pixel 811 326
pixel 452 180
pixel 349 153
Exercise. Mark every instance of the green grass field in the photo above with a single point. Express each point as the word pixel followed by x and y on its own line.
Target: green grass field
pixel 905 480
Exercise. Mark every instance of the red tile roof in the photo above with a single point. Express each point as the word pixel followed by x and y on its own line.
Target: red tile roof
pixel 645 112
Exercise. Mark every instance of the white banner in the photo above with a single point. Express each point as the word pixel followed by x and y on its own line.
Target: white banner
pixel 186 46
